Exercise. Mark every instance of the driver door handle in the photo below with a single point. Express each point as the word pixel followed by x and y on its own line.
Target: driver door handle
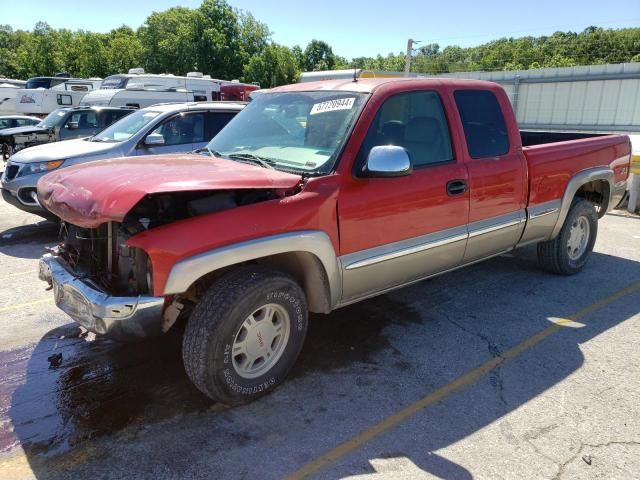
pixel 456 187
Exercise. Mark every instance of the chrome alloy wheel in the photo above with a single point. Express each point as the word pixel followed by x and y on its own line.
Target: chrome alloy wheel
pixel 578 238
pixel 261 340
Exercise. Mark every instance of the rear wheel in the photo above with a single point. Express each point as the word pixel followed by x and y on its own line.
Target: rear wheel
pixel 570 250
pixel 245 334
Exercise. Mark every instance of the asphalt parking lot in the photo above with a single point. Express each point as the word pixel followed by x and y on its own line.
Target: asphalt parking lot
pixel 494 371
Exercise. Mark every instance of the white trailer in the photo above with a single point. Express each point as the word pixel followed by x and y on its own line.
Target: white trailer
pixel 140 89
pixel 43 95
pixel 8 91
pixel 136 97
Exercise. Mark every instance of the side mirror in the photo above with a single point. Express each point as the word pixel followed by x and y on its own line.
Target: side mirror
pixel 153 140
pixel 73 125
pixel 388 161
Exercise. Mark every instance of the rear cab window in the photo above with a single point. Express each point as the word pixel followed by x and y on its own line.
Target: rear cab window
pixel 415 121
pixel 483 122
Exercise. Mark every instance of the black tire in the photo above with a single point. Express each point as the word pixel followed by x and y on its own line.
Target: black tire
pixel 7 150
pixel 553 255
pixel 215 325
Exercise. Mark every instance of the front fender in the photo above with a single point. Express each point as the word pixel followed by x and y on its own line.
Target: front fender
pixel 317 243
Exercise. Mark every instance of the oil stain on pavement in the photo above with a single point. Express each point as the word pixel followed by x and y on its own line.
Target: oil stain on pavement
pixel 99 387
pixel 71 387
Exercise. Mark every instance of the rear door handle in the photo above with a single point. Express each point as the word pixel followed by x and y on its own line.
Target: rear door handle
pixel 456 187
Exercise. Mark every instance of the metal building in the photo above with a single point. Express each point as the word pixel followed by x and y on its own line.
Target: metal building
pixel 592 98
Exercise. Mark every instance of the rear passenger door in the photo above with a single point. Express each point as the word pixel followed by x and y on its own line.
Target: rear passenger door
pixel 497 173
pixel 107 117
pixel 397 230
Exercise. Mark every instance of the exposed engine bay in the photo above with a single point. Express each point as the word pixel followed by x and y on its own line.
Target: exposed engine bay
pixel 163 208
pixel 101 256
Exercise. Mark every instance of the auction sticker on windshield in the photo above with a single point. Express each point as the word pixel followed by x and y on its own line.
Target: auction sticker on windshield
pixel 333 105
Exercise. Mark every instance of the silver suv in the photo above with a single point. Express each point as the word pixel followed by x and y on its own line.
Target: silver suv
pixel 158 129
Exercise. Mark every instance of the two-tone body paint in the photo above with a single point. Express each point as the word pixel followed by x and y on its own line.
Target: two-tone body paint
pixel 314 208
pixel 386 232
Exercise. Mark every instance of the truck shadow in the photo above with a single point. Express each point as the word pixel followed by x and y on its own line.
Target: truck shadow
pixel 70 392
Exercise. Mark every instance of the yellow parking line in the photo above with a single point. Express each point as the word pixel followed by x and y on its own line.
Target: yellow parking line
pixel 24 305
pixel 18 274
pixel 461 382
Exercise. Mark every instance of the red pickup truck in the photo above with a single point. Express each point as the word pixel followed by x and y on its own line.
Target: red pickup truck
pixel 316 196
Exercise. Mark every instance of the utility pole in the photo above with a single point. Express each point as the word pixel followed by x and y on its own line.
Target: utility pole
pixel 407 61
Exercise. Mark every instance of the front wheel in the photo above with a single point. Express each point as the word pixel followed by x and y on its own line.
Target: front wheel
pixel 245 334
pixel 570 250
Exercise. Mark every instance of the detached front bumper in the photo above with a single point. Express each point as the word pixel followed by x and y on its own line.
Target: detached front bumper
pixel 97 311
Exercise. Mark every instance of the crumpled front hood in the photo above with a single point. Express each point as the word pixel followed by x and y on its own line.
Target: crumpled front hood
pixel 91 194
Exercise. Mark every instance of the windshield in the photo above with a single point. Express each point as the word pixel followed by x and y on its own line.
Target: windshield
pixel 114 82
pixel 38 82
pixel 53 118
pixel 299 131
pixel 126 127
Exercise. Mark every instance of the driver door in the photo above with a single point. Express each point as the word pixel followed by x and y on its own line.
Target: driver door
pixel 397 230
pixel 180 132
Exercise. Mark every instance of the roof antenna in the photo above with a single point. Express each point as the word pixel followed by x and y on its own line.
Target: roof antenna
pixel 355 73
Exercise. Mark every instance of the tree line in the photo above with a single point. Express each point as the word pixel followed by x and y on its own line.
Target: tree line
pixel 227 43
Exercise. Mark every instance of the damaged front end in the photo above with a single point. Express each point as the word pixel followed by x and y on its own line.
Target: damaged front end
pixel 102 284
pixel 106 286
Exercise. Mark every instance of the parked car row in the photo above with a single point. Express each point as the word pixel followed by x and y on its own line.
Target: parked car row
pixel 159 129
pixel 61 124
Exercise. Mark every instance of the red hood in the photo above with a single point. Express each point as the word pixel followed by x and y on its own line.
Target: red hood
pixel 91 194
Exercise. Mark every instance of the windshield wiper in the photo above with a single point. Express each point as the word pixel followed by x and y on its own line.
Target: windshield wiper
pixel 212 153
pixel 251 158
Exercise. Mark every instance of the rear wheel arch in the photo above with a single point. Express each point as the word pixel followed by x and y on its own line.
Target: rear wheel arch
pixel 597 192
pixel 594 184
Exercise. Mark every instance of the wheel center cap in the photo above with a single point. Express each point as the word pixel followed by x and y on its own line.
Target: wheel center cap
pixel 259 341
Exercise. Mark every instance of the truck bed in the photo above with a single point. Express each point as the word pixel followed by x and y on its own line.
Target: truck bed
pixel 552 165
pixel 538 137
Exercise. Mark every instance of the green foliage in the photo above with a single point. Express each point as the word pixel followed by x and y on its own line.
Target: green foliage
pixel 275 65
pixel 169 41
pixel 227 43
pixel 318 56
pixel 562 49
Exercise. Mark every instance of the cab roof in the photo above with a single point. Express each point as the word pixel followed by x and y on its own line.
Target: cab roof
pixel 369 85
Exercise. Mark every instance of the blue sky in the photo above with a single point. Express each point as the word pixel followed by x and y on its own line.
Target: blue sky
pixel 354 28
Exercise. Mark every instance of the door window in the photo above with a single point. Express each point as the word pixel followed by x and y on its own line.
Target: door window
pixel 5 123
pixel 85 120
pixel 215 121
pixel 415 121
pixel 483 123
pixel 23 122
pixel 107 117
pixel 182 129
